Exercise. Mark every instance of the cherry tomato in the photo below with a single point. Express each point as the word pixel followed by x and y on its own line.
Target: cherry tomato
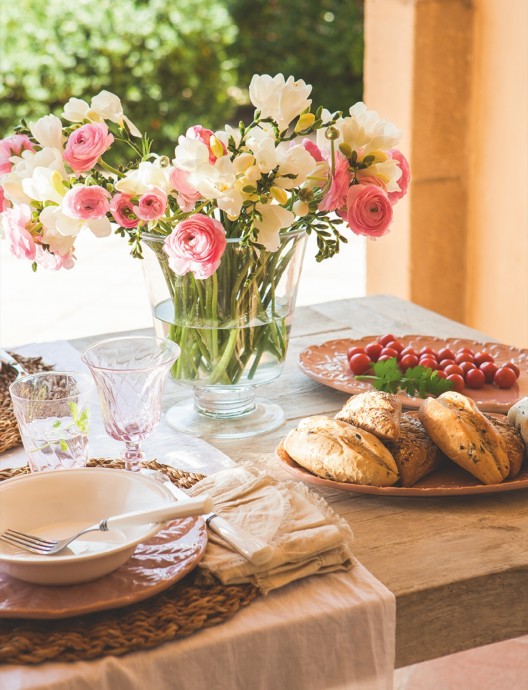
pixel 504 377
pixel 395 345
pixel 445 363
pixel 489 369
pixel 454 369
pixel 373 350
pixel 390 352
pixel 408 361
pixel 475 378
pixel 389 338
pixel 445 353
pixel 467 366
pixel 514 368
pixel 384 358
pixel 355 351
pixel 482 357
pixel 463 357
pixel 457 381
pixel 427 351
pixel 359 363
pixel 428 362
pixel 441 374
pixel 409 351
pixel 468 350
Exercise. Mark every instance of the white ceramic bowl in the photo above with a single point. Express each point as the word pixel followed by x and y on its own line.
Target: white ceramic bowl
pixel 57 504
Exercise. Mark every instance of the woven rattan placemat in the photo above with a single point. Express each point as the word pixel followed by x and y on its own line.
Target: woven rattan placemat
pixel 198 601
pixel 9 436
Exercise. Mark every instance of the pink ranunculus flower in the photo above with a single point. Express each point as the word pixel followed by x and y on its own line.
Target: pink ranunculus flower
pixel 196 244
pixel 52 261
pixel 86 144
pixel 398 156
pixel 86 202
pixel 122 208
pixel 187 194
pixel 12 146
pixel 151 204
pixel 13 222
pixel 335 197
pixel 4 203
pixel 204 135
pixel 368 210
pixel 313 149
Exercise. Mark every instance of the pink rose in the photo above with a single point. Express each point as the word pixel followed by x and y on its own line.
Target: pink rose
pixel 368 210
pixel 12 146
pixel 86 202
pixel 86 145
pixel 187 195
pixel 19 239
pixel 313 149
pixel 4 203
pixel 204 135
pixel 405 176
pixel 196 244
pixel 336 195
pixel 54 262
pixel 151 205
pixel 122 209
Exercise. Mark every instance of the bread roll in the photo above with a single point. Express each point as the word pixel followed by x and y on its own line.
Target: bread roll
pixel 513 443
pixel 414 452
pixel 335 450
pixel 463 433
pixel 518 417
pixel 374 411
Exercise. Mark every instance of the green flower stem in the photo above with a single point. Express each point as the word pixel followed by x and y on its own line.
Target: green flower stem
pixel 115 171
pixel 218 371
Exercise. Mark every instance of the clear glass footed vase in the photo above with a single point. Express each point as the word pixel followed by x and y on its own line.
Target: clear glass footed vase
pixel 233 330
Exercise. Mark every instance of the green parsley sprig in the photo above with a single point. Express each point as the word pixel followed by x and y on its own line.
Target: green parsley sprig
pixel 416 381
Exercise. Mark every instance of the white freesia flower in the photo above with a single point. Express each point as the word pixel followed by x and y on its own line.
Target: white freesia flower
pixel 44 185
pixel 365 129
pixel 107 106
pixel 148 175
pixel 296 161
pixel 279 99
pixel 55 221
pixel 218 182
pixel 48 131
pixel 59 244
pixel 23 167
pixel 274 219
pixel 190 154
pixel 77 110
pixel 265 153
pixel 389 172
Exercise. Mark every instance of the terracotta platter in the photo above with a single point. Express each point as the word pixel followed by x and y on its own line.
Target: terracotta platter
pixel 153 567
pixel 327 364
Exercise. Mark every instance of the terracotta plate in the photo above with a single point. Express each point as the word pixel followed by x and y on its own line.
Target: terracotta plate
pixel 450 480
pixel 327 364
pixel 153 567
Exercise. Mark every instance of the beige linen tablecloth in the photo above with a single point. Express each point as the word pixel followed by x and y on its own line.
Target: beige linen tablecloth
pixel 327 632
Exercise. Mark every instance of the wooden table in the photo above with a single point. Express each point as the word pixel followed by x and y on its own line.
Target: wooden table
pixel 458 566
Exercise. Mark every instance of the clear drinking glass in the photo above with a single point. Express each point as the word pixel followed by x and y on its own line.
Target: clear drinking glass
pixel 130 374
pixel 53 414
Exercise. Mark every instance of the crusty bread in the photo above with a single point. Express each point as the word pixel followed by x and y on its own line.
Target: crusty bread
pixel 463 433
pixel 518 417
pixel 513 443
pixel 414 452
pixel 342 452
pixel 374 411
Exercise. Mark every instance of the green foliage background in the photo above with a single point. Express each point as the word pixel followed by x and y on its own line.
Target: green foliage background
pixel 174 63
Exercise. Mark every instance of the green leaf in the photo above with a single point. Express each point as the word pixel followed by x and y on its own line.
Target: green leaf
pixel 57 424
pixel 416 381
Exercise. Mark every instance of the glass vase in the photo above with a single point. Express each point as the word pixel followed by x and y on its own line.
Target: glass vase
pixel 233 330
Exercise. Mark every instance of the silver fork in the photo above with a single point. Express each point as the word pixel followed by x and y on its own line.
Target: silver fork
pixel 47 547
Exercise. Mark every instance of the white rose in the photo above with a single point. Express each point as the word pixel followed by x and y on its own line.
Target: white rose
pixel 274 219
pixel 48 132
pixel 279 99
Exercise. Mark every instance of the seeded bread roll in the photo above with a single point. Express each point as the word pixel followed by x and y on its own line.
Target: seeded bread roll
pixel 518 417
pixel 374 411
pixel 463 433
pixel 415 454
pixel 335 450
pixel 513 443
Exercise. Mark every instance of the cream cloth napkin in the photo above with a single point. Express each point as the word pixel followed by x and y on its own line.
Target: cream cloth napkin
pixel 307 537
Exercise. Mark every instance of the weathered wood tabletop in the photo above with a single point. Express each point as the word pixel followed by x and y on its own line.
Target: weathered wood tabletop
pixel 458 566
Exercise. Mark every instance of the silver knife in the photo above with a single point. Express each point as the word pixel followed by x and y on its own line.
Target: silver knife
pixel 252 548
pixel 6 358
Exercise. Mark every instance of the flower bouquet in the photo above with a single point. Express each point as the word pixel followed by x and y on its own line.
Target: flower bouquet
pixel 224 221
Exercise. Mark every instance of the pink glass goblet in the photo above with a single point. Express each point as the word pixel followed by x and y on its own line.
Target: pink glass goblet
pixel 130 374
